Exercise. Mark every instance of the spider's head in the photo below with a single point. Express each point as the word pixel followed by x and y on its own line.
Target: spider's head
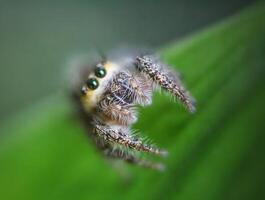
pixel 95 83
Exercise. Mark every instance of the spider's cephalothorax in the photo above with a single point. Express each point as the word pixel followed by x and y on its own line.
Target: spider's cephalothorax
pixel 108 95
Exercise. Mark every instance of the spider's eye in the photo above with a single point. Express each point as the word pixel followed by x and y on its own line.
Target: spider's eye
pixel 100 72
pixel 92 83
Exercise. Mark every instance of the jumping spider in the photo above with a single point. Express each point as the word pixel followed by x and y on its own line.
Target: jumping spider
pixel 107 95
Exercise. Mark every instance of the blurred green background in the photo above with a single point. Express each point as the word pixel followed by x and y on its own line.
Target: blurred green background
pixel 37 37
pixel 217 153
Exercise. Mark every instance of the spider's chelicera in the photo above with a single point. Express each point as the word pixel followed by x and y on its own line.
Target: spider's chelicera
pixel 107 95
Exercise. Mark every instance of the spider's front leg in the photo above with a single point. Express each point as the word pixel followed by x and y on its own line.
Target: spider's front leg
pixel 157 72
pixel 110 151
pixel 122 136
pixel 132 159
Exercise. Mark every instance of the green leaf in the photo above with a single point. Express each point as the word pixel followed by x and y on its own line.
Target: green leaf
pixel 216 153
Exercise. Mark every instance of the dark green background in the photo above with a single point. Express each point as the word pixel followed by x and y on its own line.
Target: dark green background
pixel 38 37
pixel 217 153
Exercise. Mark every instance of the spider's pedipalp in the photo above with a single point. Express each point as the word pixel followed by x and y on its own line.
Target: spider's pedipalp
pixel 122 95
pixel 131 88
pixel 123 114
pixel 157 73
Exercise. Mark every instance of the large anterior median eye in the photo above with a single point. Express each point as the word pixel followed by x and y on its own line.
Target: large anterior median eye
pixel 100 72
pixel 92 83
